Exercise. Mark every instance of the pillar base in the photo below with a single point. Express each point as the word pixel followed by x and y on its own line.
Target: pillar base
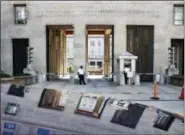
pixel 155 98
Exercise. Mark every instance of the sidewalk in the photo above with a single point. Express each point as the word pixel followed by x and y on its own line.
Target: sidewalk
pixel 67 120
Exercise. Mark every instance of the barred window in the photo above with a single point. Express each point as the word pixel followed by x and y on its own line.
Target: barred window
pixel 100 64
pixel 178 14
pixel 20 13
pixel 92 63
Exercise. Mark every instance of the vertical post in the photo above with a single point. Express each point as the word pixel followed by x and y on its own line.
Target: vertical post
pixel 79 46
pixel 64 55
pixel 62 50
pixel 133 65
pixel 106 53
pixel 86 51
pixel 121 65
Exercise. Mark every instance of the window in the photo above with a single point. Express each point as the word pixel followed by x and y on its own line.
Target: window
pixel 99 64
pixel 92 43
pixel 20 13
pixel 92 63
pixel 99 43
pixel 178 14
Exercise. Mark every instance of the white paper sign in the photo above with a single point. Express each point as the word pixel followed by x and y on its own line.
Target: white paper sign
pixel 87 103
pixel 121 104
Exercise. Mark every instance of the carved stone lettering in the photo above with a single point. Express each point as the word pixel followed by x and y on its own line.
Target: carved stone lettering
pixel 75 10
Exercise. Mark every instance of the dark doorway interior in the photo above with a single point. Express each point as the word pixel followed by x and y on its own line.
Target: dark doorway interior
pixel 19 55
pixel 179 51
pixel 140 42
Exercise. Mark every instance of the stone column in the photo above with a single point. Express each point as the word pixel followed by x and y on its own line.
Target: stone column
pixel 65 55
pixel 121 62
pixel 79 46
pixel 133 65
pixel 86 51
pixel 122 78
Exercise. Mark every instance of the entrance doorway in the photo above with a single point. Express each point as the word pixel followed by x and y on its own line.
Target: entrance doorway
pixel 99 50
pixel 140 42
pixel 179 54
pixel 57 54
pixel 19 46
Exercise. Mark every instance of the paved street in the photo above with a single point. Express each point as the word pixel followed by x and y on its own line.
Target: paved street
pixel 72 123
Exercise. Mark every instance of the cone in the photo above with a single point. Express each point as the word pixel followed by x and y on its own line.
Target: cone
pixel 155 92
pixel 182 94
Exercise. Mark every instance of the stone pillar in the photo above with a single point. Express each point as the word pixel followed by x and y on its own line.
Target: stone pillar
pixel 106 53
pixel 54 53
pixel 79 46
pixel 122 78
pixel 133 65
pixel 86 51
pixel 65 55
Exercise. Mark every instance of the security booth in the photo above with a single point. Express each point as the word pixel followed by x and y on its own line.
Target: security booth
pixel 127 58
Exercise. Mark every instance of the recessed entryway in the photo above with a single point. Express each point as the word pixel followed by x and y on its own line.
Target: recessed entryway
pixel 56 39
pixel 19 46
pixel 99 50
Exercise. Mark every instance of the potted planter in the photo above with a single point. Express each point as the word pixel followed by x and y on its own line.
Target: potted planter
pixel 5 78
pixel 22 79
pixel 71 75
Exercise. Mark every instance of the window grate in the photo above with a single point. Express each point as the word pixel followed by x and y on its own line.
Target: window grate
pixel 178 14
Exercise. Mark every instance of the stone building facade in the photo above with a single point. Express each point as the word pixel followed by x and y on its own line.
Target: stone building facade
pixel 159 14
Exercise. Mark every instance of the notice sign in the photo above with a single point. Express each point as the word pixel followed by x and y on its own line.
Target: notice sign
pixel 10 126
pixel 42 131
pixel 8 133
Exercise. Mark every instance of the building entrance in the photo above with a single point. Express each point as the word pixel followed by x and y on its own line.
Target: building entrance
pixel 99 49
pixel 140 42
pixel 179 54
pixel 56 36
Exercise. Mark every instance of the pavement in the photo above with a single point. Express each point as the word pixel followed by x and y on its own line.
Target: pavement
pixel 30 117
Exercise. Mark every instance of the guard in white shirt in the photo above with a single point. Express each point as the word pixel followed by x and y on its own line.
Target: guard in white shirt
pixel 81 75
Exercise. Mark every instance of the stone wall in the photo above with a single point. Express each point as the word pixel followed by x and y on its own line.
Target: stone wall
pixel 117 13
